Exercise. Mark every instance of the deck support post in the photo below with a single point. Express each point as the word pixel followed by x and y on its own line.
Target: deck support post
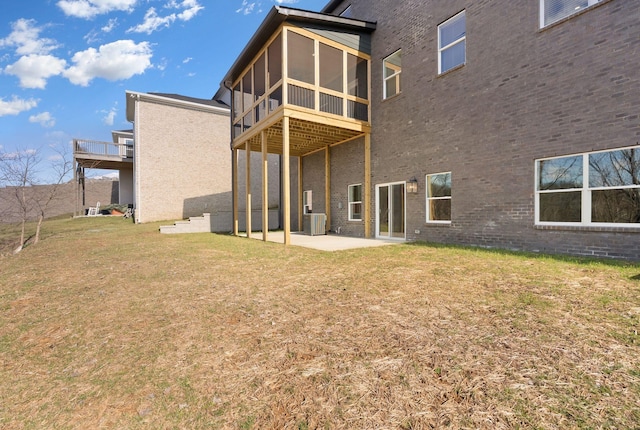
pixel 300 192
pixel 286 174
pixel 367 185
pixel 248 189
pixel 327 187
pixel 234 168
pixel 265 186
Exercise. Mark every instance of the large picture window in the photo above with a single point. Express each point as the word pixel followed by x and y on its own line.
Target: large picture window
pixel 452 43
pixel 392 67
pixel 355 202
pixel 439 197
pixel 598 188
pixel 555 10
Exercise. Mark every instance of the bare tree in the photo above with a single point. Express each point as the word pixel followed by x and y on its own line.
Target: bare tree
pixel 20 173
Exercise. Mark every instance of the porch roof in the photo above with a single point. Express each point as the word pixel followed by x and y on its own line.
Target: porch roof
pixel 278 15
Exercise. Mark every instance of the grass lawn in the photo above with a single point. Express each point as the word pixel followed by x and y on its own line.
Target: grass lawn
pixel 107 324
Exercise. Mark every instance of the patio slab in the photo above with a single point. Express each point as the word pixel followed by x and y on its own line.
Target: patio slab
pixel 329 242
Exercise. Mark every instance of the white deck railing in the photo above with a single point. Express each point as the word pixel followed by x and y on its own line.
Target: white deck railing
pixel 109 149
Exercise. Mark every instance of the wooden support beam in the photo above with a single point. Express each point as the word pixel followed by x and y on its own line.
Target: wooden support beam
pixel 327 186
pixel 286 175
pixel 234 190
pixel 265 186
pixel 367 185
pixel 300 192
pixel 248 190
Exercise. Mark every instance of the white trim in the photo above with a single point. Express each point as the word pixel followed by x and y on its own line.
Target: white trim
pixel 427 198
pixel 349 203
pixel 578 10
pixel 377 231
pixel 397 76
pixel 463 39
pixel 585 190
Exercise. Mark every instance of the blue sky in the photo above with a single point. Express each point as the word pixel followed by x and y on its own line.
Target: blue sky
pixel 65 64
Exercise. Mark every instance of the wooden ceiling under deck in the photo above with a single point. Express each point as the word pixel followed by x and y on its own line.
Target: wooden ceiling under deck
pixel 305 137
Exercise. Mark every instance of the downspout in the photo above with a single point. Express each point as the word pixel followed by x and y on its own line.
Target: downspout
pixel 136 158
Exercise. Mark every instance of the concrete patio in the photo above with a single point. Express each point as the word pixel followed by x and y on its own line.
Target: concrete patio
pixel 329 242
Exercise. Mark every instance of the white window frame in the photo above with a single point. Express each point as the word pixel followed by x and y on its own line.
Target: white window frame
pixel 352 203
pixel 429 199
pixel 395 76
pixel 575 11
pixel 307 202
pixel 585 190
pixel 442 49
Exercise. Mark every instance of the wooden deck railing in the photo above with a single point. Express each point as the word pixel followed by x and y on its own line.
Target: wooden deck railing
pixel 109 149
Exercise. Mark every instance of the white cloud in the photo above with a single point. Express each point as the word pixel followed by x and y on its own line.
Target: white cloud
pixel 25 37
pixel 34 70
pixel 248 8
pixel 153 22
pixel 114 61
pixel 16 105
pixel 186 60
pixel 110 116
pixel 90 8
pixel 113 23
pixel 44 119
pixel 191 75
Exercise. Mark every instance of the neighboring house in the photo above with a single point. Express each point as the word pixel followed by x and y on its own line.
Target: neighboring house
pixel 174 163
pixel 498 124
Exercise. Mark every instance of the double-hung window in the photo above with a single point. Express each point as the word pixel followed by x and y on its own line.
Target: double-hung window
pixel 555 10
pixel 355 202
pixel 452 43
pixel 599 188
pixel 392 67
pixel 439 198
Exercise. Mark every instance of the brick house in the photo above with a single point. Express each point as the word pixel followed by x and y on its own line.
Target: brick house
pixel 456 122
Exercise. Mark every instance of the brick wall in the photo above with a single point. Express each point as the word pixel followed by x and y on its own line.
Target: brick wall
pixel 182 162
pixel 524 93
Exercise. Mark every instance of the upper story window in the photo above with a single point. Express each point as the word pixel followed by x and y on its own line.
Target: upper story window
pixel 555 10
pixel 598 188
pixel 347 12
pixel 392 67
pixel 452 41
pixel 439 197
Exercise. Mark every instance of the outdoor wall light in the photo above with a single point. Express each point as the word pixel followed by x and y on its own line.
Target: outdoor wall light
pixel 412 185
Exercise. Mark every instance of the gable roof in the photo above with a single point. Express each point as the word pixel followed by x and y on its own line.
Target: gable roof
pixel 280 14
pixel 174 100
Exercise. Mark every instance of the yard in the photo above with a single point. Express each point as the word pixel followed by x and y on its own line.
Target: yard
pixel 106 324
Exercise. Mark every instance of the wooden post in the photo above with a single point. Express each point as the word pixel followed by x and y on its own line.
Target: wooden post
pixel 300 191
pixel 234 167
pixel 327 186
pixel 248 189
pixel 286 174
pixel 367 185
pixel 265 186
pixel 75 180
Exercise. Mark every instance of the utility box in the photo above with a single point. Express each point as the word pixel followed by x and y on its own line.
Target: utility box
pixel 315 224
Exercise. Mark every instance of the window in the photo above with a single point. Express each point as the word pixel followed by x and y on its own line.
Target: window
pixel 355 202
pixel 598 188
pixel 392 66
pixel 452 41
pixel 307 206
pixel 555 10
pixel 439 197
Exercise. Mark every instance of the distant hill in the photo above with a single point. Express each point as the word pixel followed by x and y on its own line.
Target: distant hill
pixel 104 191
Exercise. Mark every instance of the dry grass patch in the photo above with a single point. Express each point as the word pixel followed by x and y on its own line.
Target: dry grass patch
pixel 106 324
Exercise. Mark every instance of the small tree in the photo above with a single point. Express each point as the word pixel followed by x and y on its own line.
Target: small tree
pixel 19 172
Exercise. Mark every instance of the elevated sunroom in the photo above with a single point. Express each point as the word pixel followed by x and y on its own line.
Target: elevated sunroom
pixel 300 86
